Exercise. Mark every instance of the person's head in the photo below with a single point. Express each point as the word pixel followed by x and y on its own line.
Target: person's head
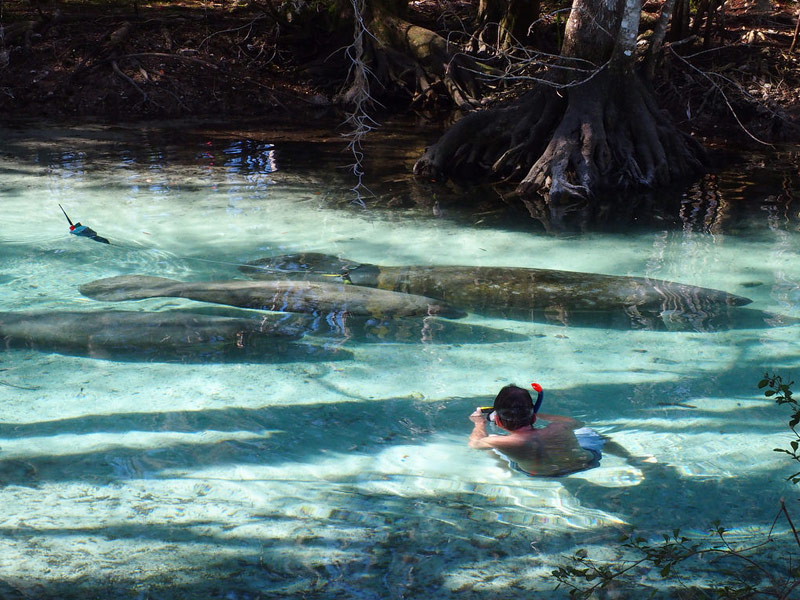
pixel 514 408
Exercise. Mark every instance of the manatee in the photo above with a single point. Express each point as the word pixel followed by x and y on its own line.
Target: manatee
pixel 344 328
pixel 407 330
pixel 512 292
pixel 315 297
pixel 162 336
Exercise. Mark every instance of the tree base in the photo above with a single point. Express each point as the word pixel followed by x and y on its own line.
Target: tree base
pixel 608 135
pixel 420 61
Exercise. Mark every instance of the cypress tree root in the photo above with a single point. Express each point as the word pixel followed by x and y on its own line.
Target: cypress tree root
pixel 609 135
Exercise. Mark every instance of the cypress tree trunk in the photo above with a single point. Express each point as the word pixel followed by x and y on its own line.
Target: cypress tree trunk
pixel 602 132
pixel 415 58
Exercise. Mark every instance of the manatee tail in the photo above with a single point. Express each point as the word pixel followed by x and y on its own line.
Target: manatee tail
pixel 734 300
pixel 127 287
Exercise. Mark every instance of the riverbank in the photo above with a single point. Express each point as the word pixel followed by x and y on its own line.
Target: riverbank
pixel 127 61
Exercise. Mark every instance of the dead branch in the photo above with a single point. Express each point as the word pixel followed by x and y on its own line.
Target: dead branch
pixel 232 30
pixel 722 93
pixel 796 32
pixel 119 72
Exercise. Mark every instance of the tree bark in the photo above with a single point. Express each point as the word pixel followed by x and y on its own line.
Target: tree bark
pixel 401 54
pixel 657 41
pixel 516 22
pixel 680 21
pixel 433 59
pixel 503 24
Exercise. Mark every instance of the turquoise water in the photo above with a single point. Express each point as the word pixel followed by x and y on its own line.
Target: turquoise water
pixel 343 471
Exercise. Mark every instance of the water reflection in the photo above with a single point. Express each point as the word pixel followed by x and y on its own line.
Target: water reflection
pixel 703 208
pixel 250 156
pixel 713 204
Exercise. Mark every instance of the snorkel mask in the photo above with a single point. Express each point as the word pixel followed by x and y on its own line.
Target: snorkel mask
pixel 489 412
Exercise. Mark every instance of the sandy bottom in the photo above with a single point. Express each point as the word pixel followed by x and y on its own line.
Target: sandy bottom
pixel 351 478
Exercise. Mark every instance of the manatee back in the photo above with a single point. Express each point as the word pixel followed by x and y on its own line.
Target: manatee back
pixel 127 287
pixel 305 265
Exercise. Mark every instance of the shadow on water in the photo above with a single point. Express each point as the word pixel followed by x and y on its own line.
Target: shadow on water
pixel 367 543
pixel 410 546
pixel 725 319
pixel 296 433
pixel 411 543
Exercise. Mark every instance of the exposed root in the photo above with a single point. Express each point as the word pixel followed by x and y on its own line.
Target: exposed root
pixel 500 143
pixel 118 71
pixel 612 137
pixel 609 136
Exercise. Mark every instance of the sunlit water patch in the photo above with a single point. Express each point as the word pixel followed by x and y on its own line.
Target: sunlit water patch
pixel 342 470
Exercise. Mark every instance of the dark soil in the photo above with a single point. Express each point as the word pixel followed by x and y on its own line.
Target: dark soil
pixel 124 62
pixel 129 61
pixel 744 83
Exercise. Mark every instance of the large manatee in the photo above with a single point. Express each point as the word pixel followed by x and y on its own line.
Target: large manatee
pixel 402 330
pixel 315 297
pixel 159 336
pixel 520 293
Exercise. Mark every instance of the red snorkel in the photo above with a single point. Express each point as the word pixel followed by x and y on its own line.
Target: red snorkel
pixel 539 397
pixel 83 230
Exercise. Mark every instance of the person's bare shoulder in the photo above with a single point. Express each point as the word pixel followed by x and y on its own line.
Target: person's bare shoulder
pixel 560 422
pixel 497 441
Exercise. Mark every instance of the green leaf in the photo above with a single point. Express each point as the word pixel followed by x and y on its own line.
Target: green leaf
pixel 762 384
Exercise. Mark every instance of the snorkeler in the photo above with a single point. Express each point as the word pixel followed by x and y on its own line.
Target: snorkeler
pixel 563 446
pixel 83 230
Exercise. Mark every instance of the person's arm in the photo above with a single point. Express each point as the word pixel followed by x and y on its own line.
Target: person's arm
pixel 479 438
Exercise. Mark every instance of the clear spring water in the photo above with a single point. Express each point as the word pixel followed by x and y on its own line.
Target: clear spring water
pixel 318 478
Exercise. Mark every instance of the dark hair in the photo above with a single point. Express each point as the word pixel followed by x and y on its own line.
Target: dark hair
pixel 514 406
